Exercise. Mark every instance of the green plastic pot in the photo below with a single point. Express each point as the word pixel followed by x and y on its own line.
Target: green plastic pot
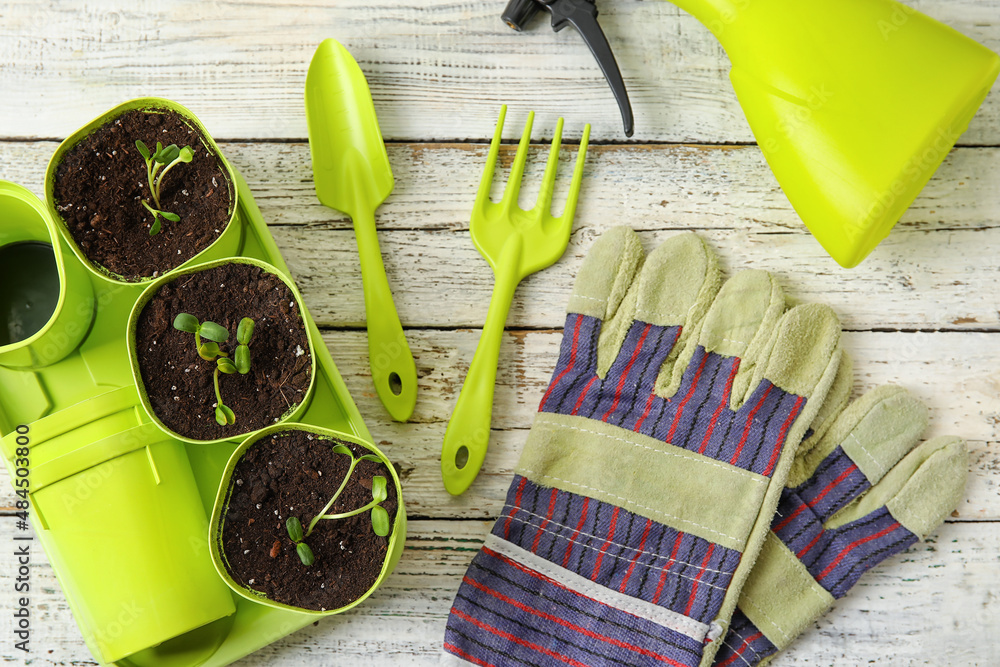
pixel 397 538
pixel 229 243
pixel 122 523
pixel 154 287
pixel 24 221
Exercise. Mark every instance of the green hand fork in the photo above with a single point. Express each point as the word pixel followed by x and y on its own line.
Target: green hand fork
pixel 516 243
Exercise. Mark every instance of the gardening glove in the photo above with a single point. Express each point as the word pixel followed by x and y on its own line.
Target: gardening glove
pixel 653 469
pixel 857 495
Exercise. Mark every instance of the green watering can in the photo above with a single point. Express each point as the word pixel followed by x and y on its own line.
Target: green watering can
pixel 854 103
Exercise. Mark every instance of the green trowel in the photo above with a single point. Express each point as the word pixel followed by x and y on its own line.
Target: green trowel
pixel 352 174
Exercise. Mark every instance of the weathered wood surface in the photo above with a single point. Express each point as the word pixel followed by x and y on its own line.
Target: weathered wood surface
pixel 936 270
pixel 438 69
pixel 922 311
pixel 927 606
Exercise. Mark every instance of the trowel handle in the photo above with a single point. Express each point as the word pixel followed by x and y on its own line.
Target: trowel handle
pixel 393 371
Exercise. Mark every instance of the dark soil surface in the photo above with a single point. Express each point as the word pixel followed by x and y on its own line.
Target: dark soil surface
pixel 295 473
pixel 101 182
pixel 179 383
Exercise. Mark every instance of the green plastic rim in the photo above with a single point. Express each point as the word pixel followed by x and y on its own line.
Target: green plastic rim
pixel 291 415
pixel 74 310
pixel 229 243
pixel 397 538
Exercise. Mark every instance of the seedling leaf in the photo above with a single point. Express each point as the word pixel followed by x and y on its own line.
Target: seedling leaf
pixel 244 331
pixel 169 154
pixel 370 457
pixel 226 365
pixel 208 351
pixel 380 521
pixel 155 229
pixel 243 359
pixel 294 527
pixel 143 151
pixel 305 554
pixel 224 416
pixel 186 154
pixel 172 217
pixel 379 492
pixel 213 331
pixel 186 322
pixel 341 449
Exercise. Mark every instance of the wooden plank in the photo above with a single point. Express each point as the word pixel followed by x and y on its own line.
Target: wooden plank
pixel 936 270
pixel 438 69
pixel 953 373
pixel 896 610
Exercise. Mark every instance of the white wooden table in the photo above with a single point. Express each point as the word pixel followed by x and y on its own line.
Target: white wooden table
pixel 922 311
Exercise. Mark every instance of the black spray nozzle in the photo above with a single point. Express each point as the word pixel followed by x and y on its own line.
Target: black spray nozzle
pixel 582 15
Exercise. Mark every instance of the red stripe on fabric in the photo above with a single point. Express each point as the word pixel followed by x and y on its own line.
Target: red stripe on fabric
pixel 611 536
pixel 781 436
pixel 645 413
pixel 666 568
pixel 652 393
pixel 517 506
pixel 809 546
pixel 722 404
pixel 465 656
pixel 680 408
pixel 789 518
pixel 642 545
pixel 749 423
pixel 569 366
pixel 829 487
pixel 545 522
pixel 517 640
pixel 697 578
pixel 579 527
pixel 856 543
pixel 624 375
pixel 566 624
pixel 737 653
pixel 583 394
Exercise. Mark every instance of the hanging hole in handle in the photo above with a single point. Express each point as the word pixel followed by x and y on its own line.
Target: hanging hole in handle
pixel 461 457
pixel 395 384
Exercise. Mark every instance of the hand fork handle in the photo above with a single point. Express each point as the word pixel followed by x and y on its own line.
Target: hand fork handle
pixel 468 433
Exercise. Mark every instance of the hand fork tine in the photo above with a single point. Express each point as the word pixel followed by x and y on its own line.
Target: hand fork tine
pixel 517 169
pixel 486 182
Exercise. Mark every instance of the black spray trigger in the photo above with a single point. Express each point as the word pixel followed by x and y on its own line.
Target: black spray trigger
pixel 582 15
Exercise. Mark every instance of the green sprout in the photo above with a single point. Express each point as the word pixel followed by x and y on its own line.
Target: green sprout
pixel 165 158
pixel 379 515
pixel 209 351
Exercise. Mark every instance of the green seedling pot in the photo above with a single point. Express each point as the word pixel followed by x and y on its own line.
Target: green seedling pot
pixel 292 415
pixel 124 528
pixel 46 308
pixel 397 538
pixel 135 546
pixel 229 243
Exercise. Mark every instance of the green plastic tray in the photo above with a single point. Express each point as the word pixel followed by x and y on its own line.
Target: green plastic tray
pixel 100 366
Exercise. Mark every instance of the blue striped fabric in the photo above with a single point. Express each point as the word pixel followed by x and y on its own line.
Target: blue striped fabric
pixel 744 644
pixel 697 417
pixel 506 614
pixel 618 549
